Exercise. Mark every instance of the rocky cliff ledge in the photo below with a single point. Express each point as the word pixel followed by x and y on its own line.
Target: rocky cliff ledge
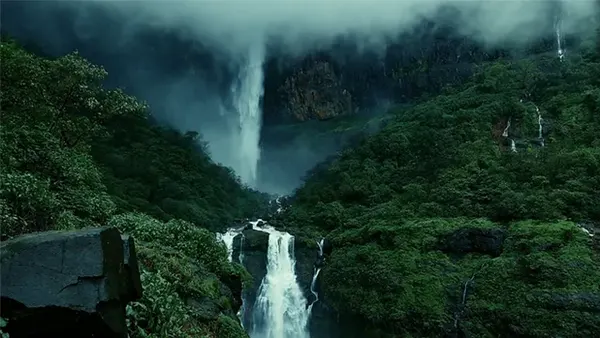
pixel 254 246
pixel 69 283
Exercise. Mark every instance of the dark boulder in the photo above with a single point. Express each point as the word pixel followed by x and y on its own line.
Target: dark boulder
pixel 73 283
pixel 305 267
pixel 254 240
pixel 474 240
pixel 254 246
pixel 327 247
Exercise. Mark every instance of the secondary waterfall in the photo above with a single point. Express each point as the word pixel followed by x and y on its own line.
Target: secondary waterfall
pixel 280 309
pixel 227 238
pixel 247 94
pixel 540 127
pixel 513 146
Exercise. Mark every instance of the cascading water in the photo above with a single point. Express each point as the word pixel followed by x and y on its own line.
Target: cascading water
pixel 227 238
pixel 247 95
pixel 313 283
pixel 313 289
pixel 559 50
pixel 280 309
pixel 513 146
pixel 540 127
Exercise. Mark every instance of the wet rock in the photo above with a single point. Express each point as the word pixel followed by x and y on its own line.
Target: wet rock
pixel 327 247
pixel 254 245
pixel 68 283
pixel 254 240
pixel 471 240
pixel 304 268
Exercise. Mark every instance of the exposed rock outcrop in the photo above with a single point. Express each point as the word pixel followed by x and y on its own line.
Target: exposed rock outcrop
pixel 254 245
pixel 57 284
pixel 305 260
pixel 315 93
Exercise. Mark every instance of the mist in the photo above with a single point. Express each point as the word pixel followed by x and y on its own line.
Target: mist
pixel 222 98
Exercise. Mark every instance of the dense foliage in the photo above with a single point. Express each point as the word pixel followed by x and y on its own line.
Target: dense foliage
pixel 75 154
pixel 390 204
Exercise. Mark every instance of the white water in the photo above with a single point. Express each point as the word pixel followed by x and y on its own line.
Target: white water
pixel 313 289
pixel 280 307
pixel 320 244
pixel 505 132
pixel 247 94
pixel 227 238
pixel 559 50
pixel 513 146
pixel 540 128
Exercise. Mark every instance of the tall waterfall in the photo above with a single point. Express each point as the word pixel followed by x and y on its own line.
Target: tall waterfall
pixel 247 94
pixel 280 309
pixel 559 49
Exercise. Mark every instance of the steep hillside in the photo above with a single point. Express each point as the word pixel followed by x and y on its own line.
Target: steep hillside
pixel 450 221
pixel 76 155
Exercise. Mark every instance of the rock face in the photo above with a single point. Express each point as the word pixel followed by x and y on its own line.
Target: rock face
pixel 305 262
pixel 56 283
pixel 315 93
pixel 254 246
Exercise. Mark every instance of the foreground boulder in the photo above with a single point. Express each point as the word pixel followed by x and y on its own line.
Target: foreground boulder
pixel 69 283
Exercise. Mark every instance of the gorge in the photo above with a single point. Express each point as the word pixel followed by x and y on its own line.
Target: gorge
pixel 341 169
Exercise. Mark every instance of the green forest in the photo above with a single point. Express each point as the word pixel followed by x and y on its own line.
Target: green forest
pixel 438 224
pixel 75 155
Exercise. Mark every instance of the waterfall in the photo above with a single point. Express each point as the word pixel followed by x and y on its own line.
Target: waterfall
pixel 505 132
pixel 513 146
pixel 313 289
pixel 559 50
pixel 320 244
pixel 227 238
pixel 247 94
pixel 313 283
pixel 540 128
pixel 280 310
